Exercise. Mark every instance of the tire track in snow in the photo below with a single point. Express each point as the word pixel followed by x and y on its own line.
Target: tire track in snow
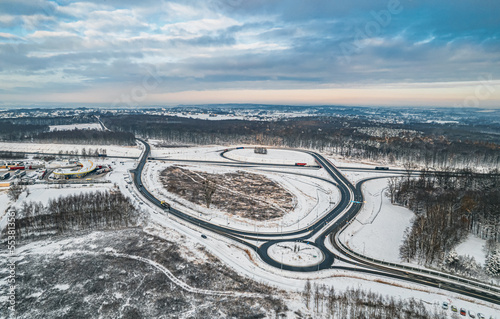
pixel 184 285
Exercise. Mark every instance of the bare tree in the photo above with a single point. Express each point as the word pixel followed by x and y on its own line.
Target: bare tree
pixel 307 293
pixel 209 187
pixel 15 191
pixel 409 167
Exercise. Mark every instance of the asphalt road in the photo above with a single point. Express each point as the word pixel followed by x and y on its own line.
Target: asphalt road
pixel 343 212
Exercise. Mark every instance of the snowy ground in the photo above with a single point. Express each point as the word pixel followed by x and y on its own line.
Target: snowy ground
pixel 256 116
pixel 237 257
pixel 204 153
pixel 380 236
pixel 112 150
pixel 295 254
pixel 46 192
pixel 378 229
pixel 314 198
pixel 79 126
pixel 473 246
pixel 273 156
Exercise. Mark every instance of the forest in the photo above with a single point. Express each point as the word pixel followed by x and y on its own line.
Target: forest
pixel 448 206
pixel 88 137
pixel 326 302
pixel 11 155
pixel 97 210
pixel 349 137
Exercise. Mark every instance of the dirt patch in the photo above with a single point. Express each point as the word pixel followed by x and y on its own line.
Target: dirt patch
pixel 240 193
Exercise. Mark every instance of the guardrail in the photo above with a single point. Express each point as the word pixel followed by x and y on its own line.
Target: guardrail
pixel 474 283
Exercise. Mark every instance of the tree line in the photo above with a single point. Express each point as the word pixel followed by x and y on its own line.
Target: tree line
pixel 448 206
pixel 17 132
pixel 90 137
pixel 326 302
pixel 97 210
pixel 12 155
pixel 345 136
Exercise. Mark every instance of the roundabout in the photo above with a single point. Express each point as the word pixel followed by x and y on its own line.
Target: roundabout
pixel 289 250
pixel 297 254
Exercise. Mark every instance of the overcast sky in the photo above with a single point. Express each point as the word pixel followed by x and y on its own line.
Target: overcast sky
pixel 369 52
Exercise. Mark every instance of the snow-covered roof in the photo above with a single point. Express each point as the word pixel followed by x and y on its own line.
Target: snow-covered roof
pixel 85 167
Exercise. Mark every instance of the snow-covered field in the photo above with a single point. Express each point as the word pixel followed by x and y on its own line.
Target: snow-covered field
pixel 378 229
pixel 273 156
pixel 257 116
pixel 204 153
pixel 237 257
pixel 79 126
pixel 295 254
pixel 112 150
pixel 47 192
pixel 473 246
pixel 314 197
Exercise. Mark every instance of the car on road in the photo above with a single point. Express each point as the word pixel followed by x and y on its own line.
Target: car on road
pixel 463 312
pixel 203 236
pixel 382 168
pixel 454 308
pixel 445 305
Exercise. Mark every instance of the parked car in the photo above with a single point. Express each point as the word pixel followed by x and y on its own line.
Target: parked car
pixel 203 236
pixel 480 316
pixel 454 308
pixel 472 314
pixel 445 305
pixel 463 312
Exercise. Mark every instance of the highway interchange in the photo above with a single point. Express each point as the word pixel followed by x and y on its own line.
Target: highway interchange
pixel 324 232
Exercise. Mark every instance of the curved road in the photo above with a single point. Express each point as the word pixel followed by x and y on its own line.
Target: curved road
pixel 336 220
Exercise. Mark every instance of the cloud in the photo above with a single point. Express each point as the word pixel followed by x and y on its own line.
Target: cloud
pixel 238 45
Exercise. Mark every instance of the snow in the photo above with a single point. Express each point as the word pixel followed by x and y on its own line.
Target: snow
pixel 47 192
pixel 442 122
pixel 314 198
pixel 249 116
pixel 236 256
pixel 378 229
pixel 79 126
pixel 295 254
pixel 112 150
pixel 87 166
pixel 273 156
pixel 62 287
pixel 206 153
pixel 473 246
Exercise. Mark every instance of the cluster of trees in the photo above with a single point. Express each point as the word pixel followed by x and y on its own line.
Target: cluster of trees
pixel 448 206
pixel 86 137
pixel 52 120
pixel 97 210
pixel 465 266
pixel 249 195
pixel 15 191
pixel 493 263
pixel 93 152
pixel 16 132
pixel 11 155
pixel 325 302
pixel 341 135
